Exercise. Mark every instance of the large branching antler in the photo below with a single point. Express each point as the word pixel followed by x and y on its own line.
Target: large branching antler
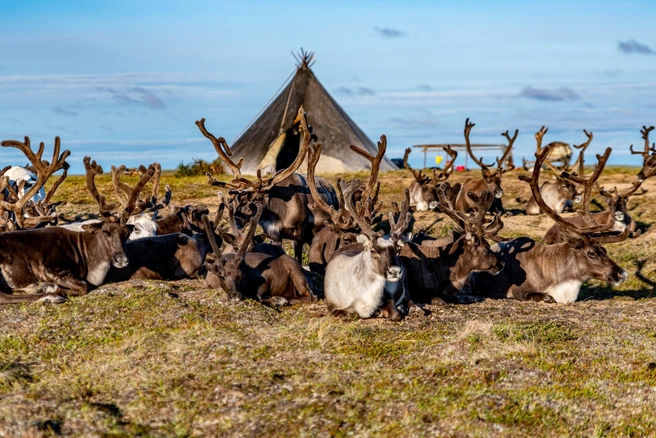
pixel 507 151
pixel 400 224
pixel 43 169
pixel 372 183
pixel 93 169
pixel 365 226
pixel 341 218
pixel 580 161
pixel 592 231
pixel 130 196
pixel 222 148
pixel 468 128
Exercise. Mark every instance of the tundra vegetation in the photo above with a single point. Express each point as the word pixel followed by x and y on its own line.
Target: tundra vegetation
pixel 178 358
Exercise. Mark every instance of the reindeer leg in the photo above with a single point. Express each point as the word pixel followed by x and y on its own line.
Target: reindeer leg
pixel 298 251
pixel 301 286
pixel 71 285
pixel 538 296
pixel 30 298
pixel 389 310
pixel 274 302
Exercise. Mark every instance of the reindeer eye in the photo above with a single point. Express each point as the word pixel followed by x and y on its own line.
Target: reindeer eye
pixel 592 254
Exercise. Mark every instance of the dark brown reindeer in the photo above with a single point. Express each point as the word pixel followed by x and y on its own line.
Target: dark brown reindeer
pixel 342 229
pixel 648 156
pixel 56 260
pixel 368 278
pixel 274 281
pixel 438 269
pixel 617 212
pixel 20 212
pixel 555 273
pixel 285 196
pixel 491 180
pixel 560 194
pixel 422 190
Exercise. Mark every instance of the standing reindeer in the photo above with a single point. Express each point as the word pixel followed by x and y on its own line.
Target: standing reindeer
pixel 555 273
pixel 285 196
pixel 438 269
pixel 491 181
pixel 369 277
pixel 423 194
pixel 561 194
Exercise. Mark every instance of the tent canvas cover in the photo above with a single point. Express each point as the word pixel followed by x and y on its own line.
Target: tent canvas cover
pixel 271 142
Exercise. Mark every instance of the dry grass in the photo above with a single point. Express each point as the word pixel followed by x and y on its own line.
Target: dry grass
pixel 177 359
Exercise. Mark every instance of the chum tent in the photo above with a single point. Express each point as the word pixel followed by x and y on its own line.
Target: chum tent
pixel 271 142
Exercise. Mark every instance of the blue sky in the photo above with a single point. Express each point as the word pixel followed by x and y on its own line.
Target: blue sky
pixel 124 81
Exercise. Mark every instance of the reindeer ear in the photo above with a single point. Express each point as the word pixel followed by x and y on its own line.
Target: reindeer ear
pixel 364 241
pixel 93 227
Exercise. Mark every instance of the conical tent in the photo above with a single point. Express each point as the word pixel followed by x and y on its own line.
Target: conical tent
pixel 271 143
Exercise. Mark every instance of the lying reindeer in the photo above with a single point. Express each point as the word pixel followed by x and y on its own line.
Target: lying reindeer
pixel 555 273
pixel 56 260
pixel 559 195
pixel 617 213
pixel 438 269
pixel 274 281
pixel 648 156
pixel 368 277
pixel 491 181
pixel 423 194
pixel 341 230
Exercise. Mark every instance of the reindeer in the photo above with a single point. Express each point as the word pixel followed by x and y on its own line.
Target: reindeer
pixel 423 194
pixel 342 230
pixel 617 213
pixel 555 273
pixel 56 260
pixel 18 210
pixel 491 181
pixel 648 156
pixel 368 277
pixel 561 194
pixel 274 281
pixel 438 269
pixel 285 196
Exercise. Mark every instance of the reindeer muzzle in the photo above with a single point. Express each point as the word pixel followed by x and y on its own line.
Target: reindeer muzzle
pixel 120 261
pixel 498 194
pixel 432 205
pixel 394 273
pixel 619 216
pixel 619 278
pixel 577 198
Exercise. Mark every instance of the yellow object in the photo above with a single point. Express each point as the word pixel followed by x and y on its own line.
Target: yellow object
pixel 438 159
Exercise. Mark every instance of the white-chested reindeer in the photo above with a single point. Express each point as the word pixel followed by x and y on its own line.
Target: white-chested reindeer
pixel 555 273
pixel 368 278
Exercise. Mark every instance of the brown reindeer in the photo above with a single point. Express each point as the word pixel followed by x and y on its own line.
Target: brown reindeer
pixel 648 156
pixel 561 194
pixel 555 273
pixel 285 195
pixel 274 281
pixel 617 212
pixel 438 269
pixel 491 180
pixel 19 211
pixel 368 278
pixel 57 260
pixel 423 194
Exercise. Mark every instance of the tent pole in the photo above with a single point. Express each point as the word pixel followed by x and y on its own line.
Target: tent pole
pixel 425 157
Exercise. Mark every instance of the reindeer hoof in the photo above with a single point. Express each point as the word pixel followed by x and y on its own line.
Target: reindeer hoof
pixel 277 302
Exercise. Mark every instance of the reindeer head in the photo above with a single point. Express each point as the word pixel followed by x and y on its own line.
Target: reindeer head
pixel 112 237
pixel 470 239
pixel 429 185
pixel 492 178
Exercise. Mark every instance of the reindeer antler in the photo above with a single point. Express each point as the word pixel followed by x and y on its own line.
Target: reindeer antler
pixel 93 169
pixel 419 176
pixel 222 148
pixel 645 135
pixel 468 128
pixel 448 167
pixel 375 165
pixel 43 170
pixel 580 161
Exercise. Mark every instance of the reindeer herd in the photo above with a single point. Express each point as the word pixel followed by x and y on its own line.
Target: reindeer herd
pixel 369 259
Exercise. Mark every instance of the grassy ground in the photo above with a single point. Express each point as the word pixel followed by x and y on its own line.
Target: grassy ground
pixel 178 359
